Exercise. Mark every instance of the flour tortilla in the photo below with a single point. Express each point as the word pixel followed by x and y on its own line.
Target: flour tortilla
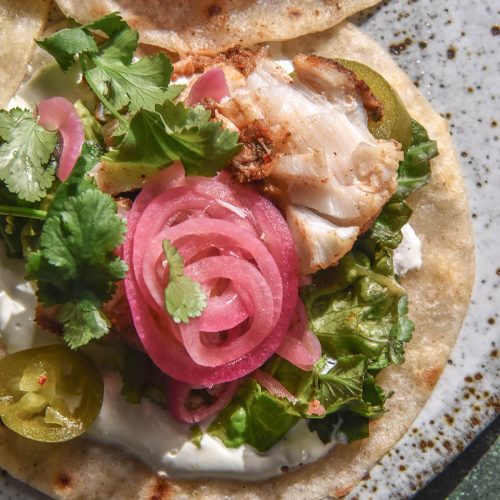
pixel 439 294
pixel 21 21
pixel 210 26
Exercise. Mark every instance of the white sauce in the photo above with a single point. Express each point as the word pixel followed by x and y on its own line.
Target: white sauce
pixel 18 330
pixel 146 430
pixel 408 255
pixel 149 433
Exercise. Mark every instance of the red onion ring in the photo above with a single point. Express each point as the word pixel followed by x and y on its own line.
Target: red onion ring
pixel 273 386
pixel 208 221
pixel 211 84
pixel 58 112
pixel 300 346
pixel 178 395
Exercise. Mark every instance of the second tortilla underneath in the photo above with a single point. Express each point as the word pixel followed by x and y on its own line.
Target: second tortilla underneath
pixel 210 26
pixel 439 294
pixel 20 24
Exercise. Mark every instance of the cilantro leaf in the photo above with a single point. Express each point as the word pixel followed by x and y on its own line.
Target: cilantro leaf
pixel 87 228
pixel 75 265
pixel 25 154
pixel 141 85
pixel 108 24
pixel 65 44
pixel 175 132
pixel 184 298
pixel 200 143
pixel 83 321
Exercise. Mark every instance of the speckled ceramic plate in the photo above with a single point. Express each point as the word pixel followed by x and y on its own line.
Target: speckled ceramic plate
pixel 452 52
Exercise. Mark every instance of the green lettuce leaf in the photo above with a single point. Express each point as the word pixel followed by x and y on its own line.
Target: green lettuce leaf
pixel 254 417
pixel 414 172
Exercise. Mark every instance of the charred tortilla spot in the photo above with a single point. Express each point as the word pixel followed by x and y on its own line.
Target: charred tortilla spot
pixel 295 12
pixel 214 10
pixel 343 491
pixel 431 375
pixel 63 481
pixel 160 491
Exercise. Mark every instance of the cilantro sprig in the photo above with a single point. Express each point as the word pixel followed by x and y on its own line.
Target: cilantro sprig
pixel 25 153
pixel 174 132
pixel 108 67
pixel 154 132
pixel 76 266
pixel 184 298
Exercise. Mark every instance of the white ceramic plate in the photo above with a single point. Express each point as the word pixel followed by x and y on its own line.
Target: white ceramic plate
pixel 451 50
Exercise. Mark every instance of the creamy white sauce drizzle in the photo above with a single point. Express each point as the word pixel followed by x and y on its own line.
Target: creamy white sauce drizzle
pixel 148 432
pixel 18 330
pixel 408 255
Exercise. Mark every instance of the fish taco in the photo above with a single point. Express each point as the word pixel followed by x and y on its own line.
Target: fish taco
pixel 233 297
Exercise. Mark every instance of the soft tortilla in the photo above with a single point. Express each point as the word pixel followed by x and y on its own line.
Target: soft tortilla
pixel 439 294
pixel 210 26
pixel 20 23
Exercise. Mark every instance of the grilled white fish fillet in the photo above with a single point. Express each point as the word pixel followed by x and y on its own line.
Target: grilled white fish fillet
pixel 332 175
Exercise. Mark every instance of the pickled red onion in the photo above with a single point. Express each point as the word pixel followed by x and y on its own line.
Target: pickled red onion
pixel 273 386
pixel 211 84
pixel 178 396
pixel 238 246
pixel 300 346
pixel 244 274
pixel 58 112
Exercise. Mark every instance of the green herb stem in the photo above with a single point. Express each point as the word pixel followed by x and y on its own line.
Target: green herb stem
pixel 29 213
pixel 99 94
pixel 388 283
